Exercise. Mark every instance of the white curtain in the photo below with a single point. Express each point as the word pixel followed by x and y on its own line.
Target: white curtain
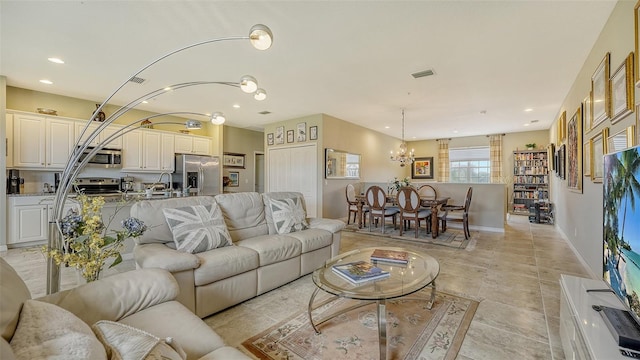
pixel 443 160
pixel 495 156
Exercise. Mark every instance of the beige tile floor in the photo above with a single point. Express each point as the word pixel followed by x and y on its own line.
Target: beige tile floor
pixel 514 274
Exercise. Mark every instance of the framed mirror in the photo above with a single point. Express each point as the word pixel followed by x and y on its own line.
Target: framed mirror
pixel 341 164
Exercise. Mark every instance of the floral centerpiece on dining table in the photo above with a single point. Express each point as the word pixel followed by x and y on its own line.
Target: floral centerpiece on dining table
pixel 87 242
pixel 396 184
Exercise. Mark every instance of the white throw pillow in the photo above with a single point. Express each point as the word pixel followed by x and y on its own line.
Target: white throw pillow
pixel 124 342
pixel 46 331
pixel 197 228
pixel 288 215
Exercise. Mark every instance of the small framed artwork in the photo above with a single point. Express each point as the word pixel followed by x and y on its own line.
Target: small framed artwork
pixel 561 161
pixel 622 90
pixel 562 127
pixel 551 151
pixel 270 139
pixel 234 179
pixel 301 130
pixel 313 133
pixel 233 160
pixel 586 159
pixel 622 140
pixel 574 152
pixel 422 168
pixel 289 136
pixel 636 19
pixel 600 92
pixel 280 135
pixel 598 149
pixel 586 114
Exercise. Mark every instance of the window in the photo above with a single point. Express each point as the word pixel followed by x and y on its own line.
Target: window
pixel 470 165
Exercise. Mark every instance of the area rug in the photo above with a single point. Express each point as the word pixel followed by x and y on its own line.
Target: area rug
pixel 413 332
pixel 451 238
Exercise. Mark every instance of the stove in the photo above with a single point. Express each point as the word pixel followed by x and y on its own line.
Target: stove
pixel 98 186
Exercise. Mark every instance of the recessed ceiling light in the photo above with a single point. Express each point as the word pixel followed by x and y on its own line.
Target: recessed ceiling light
pixel 45 81
pixel 387 127
pixel 527 124
pixel 528 110
pixel 167 88
pixel 56 60
pixel 455 131
pixel 236 106
pixel 145 102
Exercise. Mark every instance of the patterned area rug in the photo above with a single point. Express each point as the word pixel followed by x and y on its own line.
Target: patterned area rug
pixel 413 332
pixel 451 238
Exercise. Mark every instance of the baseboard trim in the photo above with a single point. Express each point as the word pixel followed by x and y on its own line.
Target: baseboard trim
pixel 576 253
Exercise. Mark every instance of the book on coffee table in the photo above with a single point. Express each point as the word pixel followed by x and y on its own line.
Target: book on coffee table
pixel 401 257
pixel 360 271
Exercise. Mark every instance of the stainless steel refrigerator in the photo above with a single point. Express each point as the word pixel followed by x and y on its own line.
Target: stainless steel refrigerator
pixel 199 174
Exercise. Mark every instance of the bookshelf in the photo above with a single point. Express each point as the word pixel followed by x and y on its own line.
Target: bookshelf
pixel 531 185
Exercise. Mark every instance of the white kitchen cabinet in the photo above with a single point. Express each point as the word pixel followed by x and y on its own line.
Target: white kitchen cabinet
pixel 104 134
pixel 168 153
pixel 41 142
pixel 28 218
pixel 189 144
pixel 142 151
pixel 9 137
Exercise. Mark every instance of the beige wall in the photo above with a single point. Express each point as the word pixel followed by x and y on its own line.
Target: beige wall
pixel 247 142
pixel 579 215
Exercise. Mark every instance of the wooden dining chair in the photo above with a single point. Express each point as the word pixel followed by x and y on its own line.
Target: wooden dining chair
pixel 408 200
pixel 458 213
pixel 377 202
pixel 427 191
pixel 352 205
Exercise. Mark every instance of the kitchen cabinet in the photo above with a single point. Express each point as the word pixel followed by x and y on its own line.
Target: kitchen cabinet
pixel 41 142
pixel 189 144
pixel 9 138
pixel 142 151
pixel 105 134
pixel 167 158
pixel 28 218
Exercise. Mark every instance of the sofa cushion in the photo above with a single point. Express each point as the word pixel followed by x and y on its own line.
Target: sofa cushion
pixel 14 294
pixel 313 239
pixel 150 211
pixel 268 214
pixel 223 263
pixel 197 228
pixel 273 248
pixel 124 342
pixel 288 215
pixel 172 319
pixel 244 214
pixel 48 331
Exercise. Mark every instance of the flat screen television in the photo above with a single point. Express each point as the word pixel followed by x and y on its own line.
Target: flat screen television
pixel 621 233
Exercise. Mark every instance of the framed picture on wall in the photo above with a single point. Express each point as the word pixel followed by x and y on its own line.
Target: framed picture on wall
pixel 289 136
pixel 622 90
pixel 313 133
pixel 422 168
pixel 562 128
pixel 561 161
pixel 586 159
pixel 574 152
pixel 636 19
pixel 270 139
pixel 598 145
pixel 600 92
pixel 301 130
pixel 551 152
pixel 280 135
pixel 233 160
pixel 586 114
pixel 234 179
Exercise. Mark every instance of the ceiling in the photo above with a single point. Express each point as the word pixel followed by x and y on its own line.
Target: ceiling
pixel 352 60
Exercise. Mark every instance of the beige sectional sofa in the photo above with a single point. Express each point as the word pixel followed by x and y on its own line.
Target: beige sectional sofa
pixel 260 259
pixel 58 325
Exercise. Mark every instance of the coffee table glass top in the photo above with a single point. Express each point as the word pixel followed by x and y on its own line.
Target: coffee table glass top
pixel 404 279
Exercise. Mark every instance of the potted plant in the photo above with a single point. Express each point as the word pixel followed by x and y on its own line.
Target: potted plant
pixel 530 146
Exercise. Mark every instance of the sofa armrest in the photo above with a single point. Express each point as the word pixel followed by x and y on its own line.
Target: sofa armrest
pixel 164 257
pixel 117 296
pixel 331 225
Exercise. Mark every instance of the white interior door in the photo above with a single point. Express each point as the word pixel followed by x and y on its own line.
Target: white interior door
pixel 295 169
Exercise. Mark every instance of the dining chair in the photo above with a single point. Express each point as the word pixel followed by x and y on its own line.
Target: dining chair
pixel 408 200
pixel 352 204
pixel 377 202
pixel 427 191
pixel 458 213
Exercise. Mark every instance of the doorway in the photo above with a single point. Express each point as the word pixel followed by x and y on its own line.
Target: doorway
pixel 258 172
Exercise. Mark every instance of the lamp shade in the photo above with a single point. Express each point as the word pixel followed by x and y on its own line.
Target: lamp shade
pixel 260 95
pixel 218 118
pixel 193 124
pixel 261 37
pixel 248 84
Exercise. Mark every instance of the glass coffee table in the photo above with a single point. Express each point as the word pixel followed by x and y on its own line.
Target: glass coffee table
pixel 405 279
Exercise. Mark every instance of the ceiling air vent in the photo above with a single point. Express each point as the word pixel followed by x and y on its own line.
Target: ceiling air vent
pixel 137 80
pixel 424 73
pixel 264 112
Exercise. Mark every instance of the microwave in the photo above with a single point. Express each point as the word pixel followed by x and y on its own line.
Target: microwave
pixel 105 158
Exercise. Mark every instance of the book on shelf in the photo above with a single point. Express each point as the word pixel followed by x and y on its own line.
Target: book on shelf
pixel 360 271
pixel 393 256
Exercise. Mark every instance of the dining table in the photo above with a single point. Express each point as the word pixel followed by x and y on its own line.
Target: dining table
pixel 434 203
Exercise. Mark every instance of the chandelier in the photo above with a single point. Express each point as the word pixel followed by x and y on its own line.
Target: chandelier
pixel 402 155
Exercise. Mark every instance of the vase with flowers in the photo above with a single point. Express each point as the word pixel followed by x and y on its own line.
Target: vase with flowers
pixel 87 242
pixel 396 184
